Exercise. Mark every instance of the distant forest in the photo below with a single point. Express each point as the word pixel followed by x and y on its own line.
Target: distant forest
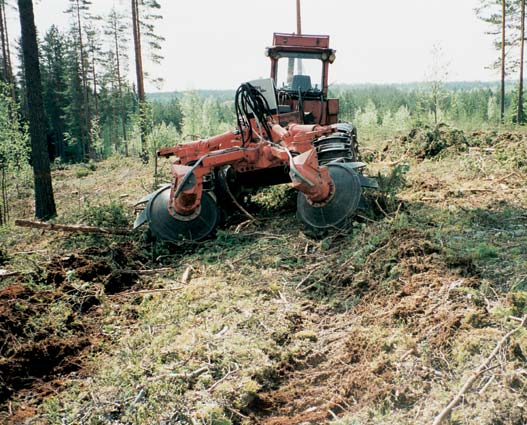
pixel 376 110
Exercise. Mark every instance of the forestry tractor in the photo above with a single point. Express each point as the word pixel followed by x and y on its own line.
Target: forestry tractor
pixel 288 132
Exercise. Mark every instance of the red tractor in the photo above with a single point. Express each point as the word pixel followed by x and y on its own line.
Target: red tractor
pixel 288 132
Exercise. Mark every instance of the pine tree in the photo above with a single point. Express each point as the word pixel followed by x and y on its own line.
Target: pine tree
pixel 520 116
pixel 7 69
pixel 44 200
pixel 79 11
pixel 76 135
pixel 116 30
pixel 144 16
pixel 501 15
pixel 54 81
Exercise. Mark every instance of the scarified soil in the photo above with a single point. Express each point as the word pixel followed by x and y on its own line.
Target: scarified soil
pixel 353 368
pixel 38 349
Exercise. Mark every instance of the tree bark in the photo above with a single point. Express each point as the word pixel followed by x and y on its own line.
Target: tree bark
pixel 120 87
pixel 70 228
pixel 44 200
pixel 140 75
pixel 84 78
pixel 503 27
pixel 4 50
pixel 520 116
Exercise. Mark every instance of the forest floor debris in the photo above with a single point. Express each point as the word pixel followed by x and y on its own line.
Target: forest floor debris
pixel 381 325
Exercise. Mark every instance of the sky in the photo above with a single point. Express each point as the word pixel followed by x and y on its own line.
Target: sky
pixel 213 44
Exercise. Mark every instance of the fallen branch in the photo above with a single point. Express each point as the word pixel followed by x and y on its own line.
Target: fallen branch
pixel 185 376
pixel 5 274
pixel 148 292
pixel 483 367
pixel 152 272
pixel 70 228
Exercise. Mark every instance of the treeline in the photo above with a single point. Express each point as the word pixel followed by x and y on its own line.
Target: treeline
pixel 92 108
pixel 506 20
pixel 374 109
pixel 400 108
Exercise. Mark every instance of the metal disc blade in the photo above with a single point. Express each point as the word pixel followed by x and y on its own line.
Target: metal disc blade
pixel 337 211
pixel 140 219
pixel 166 227
pixel 148 198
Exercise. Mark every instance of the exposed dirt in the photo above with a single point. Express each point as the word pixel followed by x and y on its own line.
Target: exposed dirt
pixel 354 368
pixel 46 333
pixel 379 326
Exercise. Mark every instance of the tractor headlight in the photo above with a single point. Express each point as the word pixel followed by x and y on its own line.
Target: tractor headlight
pixel 332 58
pixel 325 56
pixel 267 52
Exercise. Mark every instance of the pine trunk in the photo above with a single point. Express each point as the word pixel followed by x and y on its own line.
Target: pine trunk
pixel 120 86
pixel 140 76
pixel 87 149
pixel 8 57
pixel 94 78
pixel 44 200
pixel 3 41
pixel 503 26
pixel 521 118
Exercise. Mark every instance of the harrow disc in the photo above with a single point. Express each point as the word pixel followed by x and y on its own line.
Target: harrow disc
pixel 335 214
pixel 166 227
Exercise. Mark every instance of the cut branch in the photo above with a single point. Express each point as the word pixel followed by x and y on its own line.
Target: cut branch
pixel 483 367
pixel 69 228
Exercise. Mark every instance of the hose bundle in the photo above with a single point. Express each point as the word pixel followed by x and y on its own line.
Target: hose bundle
pixel 250 102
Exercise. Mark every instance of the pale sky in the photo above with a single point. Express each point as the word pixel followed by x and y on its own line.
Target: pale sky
pixel 213 44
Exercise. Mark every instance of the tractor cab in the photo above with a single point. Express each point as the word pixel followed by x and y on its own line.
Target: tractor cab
pixel 299 68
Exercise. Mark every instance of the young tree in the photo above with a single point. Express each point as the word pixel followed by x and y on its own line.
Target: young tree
pixel 14 148
pixel 436 79
pixel 44 200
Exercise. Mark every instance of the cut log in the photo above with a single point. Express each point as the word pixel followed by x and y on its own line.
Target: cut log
pixel 70 228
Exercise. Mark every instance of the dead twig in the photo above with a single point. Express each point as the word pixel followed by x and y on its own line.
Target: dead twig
pixel 186 275
pixel 5 274
pixel 70 228
pixel 482 368
pixel 230 373
pixel 146 272
pixel 148 291
pixel 187 376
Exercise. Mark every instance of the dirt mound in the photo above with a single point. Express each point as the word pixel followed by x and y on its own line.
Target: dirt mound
pixel 426 143
pixel 46 332
pixel 409 296
pixel 30 351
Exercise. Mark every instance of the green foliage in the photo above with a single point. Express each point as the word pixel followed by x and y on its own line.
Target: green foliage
pixel 168 113
pixel 112 215
pixel 205 117
pixel 272 198
pixel 14 137
pixel 14 150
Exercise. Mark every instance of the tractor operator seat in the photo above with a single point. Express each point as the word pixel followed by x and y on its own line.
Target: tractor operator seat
pixel 301 83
